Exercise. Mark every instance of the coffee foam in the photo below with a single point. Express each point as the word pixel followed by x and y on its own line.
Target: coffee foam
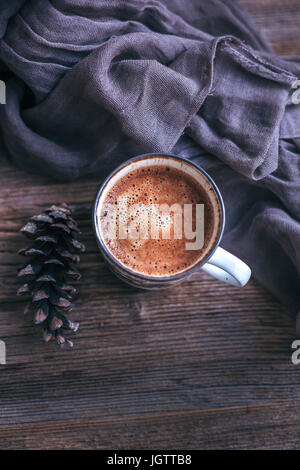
pixel 146 190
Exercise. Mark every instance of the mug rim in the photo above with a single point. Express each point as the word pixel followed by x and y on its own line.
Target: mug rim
pixel 188 271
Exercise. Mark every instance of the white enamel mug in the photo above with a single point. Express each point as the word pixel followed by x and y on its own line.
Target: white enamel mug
pixel 216 261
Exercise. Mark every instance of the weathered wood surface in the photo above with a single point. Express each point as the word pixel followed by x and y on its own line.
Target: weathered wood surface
pixel 201 366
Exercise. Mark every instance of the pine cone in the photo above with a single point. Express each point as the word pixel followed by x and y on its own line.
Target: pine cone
pixel 54 250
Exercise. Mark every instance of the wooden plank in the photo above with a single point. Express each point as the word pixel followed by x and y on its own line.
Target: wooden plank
pixel 278 20
pixel 250 427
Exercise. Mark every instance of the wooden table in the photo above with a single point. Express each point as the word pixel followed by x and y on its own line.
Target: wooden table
pixel 201 366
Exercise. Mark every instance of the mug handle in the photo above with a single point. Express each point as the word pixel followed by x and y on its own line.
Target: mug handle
pixel 228 268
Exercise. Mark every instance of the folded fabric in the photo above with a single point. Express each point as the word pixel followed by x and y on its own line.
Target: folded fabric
pixel 90 84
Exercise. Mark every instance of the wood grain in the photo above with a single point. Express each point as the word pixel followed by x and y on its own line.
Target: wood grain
pixel 201 366
pixel 279 21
